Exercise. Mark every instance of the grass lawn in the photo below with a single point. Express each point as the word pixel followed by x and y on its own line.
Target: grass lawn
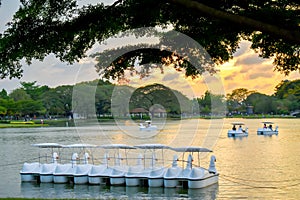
pixel 21 124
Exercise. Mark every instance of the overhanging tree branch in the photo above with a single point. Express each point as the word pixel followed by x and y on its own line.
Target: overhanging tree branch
pixel 293 36
pixel 59 27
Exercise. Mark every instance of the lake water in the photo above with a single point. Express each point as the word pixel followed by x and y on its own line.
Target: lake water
pixel 255 167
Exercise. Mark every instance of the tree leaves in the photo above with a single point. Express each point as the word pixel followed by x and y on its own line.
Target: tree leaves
pixel 60 27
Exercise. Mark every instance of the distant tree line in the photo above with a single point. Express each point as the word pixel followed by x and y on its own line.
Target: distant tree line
pixel 285 100
pixel 33 101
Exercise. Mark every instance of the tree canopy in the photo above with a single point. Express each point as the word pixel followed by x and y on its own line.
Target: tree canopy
pixel 151 95
pixel 287 88
pixel 62 28
pixel 119 100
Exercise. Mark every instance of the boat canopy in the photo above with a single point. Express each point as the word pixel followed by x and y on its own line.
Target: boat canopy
pixel 238 123
pixel 191 149
pixel 48 145
pixel 117 146
pixel 80 146
pixel 152 146
pixel 267 122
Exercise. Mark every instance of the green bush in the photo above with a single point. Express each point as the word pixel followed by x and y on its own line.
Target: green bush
pixel 5 121
pixel 22 122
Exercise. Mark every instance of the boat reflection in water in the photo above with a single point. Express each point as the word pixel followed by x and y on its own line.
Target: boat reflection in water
pixel 78 191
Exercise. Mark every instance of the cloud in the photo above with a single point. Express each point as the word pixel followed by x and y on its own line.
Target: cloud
pixel 52 72
pixel 249 60
pixel 243 48
pixel 259 75
pixel 264 70
pixel 9 85
pixel 258 68
pixel 7 9
pixel 230 77
pixel 246 68
pixel 261 87
pixel 169 77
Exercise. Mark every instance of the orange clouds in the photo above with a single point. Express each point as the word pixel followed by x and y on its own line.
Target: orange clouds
pixel 245 70
pixel 248 70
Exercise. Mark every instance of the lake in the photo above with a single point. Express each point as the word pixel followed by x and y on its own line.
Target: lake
pixel 255 167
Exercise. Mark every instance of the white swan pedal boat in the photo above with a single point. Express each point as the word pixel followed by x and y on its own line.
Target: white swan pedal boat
pixel 238 130
pixel 191 176
pixel 38 171
pixel 58 172
pixel 115 174
pixel 99 174
pixel 267 129
pixel 80 173
pixel 64 172
pixel 152 175
pixel 150 169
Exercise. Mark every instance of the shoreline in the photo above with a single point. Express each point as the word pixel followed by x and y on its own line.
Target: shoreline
pixel 70 123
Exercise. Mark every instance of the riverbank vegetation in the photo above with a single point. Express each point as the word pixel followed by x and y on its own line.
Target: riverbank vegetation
pixel 31 102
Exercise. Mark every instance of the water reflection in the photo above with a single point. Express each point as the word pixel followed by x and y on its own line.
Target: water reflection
pixel 238 138
pixel 50 190
pixel 205 193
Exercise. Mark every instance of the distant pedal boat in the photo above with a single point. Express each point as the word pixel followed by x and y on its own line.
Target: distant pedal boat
pixel 237 130
pixel 147 126
pixel 267 129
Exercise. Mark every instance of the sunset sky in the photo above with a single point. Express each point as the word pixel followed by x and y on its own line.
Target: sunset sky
pixel 245 70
